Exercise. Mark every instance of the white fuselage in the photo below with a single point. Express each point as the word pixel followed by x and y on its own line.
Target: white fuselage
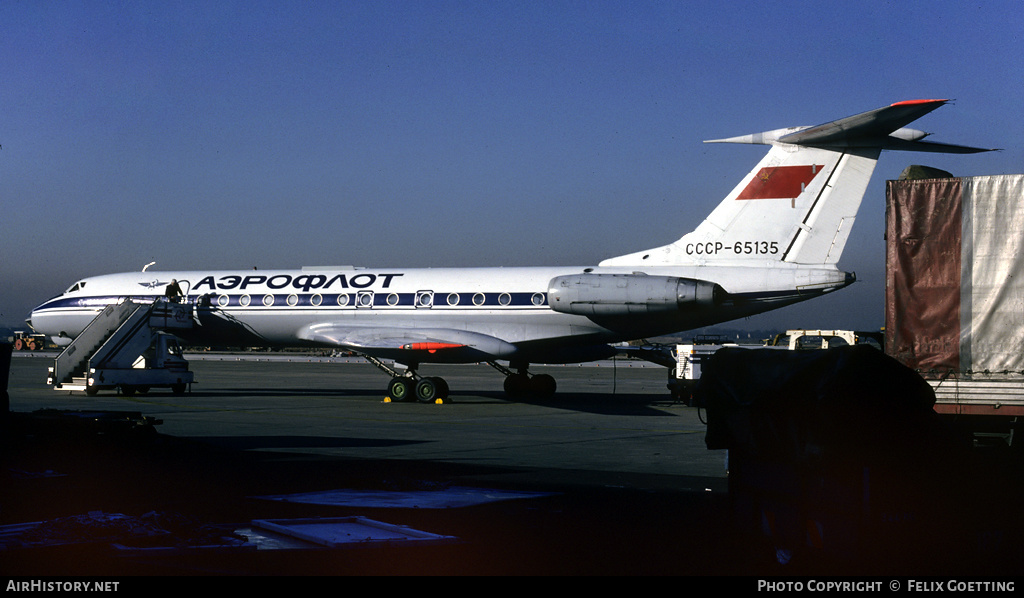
pixel 280 307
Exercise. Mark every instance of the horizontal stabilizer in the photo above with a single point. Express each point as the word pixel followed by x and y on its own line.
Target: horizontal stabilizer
pixel 873 124
pixel 934 147
pixel 882 128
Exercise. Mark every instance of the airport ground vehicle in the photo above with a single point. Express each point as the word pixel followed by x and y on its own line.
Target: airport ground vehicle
pixel 690 356
pixel 127 347
pixel 955 291
pixel 838 462
pixel 27 341
pixel 688 359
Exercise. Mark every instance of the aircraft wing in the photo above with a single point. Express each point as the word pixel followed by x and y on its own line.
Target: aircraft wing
pixel 411 344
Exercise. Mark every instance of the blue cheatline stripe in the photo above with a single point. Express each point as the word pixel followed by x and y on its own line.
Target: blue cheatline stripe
pixel 331 300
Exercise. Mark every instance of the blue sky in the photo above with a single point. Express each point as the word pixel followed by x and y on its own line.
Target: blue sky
pixel 279 134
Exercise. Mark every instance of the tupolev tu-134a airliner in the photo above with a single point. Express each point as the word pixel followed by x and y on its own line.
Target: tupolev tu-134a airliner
pixel 773 241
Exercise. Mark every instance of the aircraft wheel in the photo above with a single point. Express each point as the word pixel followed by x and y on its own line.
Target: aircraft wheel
pixel 400 389
pixel 178 389
pixel 128 390
pixel 429 390
pixel 543 385
pixel 442 387
pixel 516 385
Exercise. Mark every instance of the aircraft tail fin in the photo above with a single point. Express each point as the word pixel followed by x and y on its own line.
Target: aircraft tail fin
pixel 800 201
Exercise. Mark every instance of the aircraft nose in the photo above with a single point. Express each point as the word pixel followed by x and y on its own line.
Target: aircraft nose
pixel 33 317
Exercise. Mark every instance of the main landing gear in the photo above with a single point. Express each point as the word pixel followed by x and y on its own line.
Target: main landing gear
pixel 424 390
pixel 520 383
pixel 408 386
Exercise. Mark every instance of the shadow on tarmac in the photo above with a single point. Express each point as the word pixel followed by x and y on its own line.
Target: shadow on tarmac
pixel 580 529
pixel 584 527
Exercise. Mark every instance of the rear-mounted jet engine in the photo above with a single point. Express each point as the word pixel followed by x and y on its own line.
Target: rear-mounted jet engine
pixel 625 294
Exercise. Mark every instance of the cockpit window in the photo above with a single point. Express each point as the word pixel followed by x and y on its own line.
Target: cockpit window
pixel 76 287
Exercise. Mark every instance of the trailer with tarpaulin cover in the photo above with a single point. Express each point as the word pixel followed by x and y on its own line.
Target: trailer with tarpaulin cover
pixel 954 303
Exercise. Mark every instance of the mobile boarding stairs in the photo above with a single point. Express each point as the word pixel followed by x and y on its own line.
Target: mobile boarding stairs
pixel 128 347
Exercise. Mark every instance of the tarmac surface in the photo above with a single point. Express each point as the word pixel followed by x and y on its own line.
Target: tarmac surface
pixel 609 477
